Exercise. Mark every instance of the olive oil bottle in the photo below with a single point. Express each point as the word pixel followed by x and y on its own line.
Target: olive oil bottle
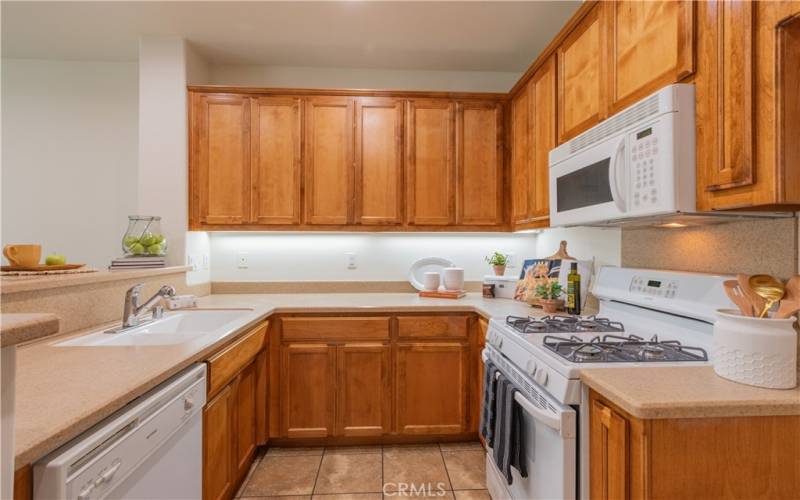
pixel 574 290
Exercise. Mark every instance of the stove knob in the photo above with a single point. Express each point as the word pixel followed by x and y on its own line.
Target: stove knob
pixel 541 377
pixel 530 366
pixel 500 342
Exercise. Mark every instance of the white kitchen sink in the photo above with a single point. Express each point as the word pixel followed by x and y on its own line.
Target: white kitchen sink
pixel 174 328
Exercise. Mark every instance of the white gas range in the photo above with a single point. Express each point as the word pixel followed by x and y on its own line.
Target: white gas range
pixel 645 317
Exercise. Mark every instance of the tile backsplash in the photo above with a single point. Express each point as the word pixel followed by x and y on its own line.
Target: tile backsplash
pixel 767 246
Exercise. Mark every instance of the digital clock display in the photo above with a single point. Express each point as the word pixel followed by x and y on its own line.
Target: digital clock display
pixel 644 133
pixel 654 284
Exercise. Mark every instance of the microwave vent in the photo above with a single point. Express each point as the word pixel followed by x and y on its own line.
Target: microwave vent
pixel 641 111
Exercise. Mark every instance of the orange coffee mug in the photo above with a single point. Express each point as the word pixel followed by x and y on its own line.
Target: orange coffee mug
pixel 23 255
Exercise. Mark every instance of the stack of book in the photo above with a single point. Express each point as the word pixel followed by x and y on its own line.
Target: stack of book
pixel 137 263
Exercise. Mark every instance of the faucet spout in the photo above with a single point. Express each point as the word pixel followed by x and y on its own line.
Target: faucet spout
pixel 132 308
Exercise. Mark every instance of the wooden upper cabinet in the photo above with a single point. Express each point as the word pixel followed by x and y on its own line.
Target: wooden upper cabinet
pixel 542 138
pixel 479 163
pixel 364 389
pixel 276 160
pixel 379 161
pixel 307 390
pixel 221 184
pixel 520 158
pixel 329 160
pixel 432 408
pixel 581 72
pixel 430 175
pixel 650 44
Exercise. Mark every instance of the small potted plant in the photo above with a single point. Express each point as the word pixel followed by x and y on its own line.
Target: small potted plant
pixel 548 292
pixel 498 262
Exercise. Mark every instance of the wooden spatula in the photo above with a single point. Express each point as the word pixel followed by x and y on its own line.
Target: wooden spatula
pixel 790 303
pixel 756 301
pixel 737 296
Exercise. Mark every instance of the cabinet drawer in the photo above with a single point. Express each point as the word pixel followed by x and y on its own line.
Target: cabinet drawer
pixel 433 326
pixel 223 366
pixel 330 328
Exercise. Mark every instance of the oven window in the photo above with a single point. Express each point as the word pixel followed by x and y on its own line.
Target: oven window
pixel 585 187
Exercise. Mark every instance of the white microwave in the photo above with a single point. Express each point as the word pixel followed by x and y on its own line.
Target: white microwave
pixel 638 163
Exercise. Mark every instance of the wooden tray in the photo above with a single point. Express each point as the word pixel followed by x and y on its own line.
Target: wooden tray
pixel 442 294
pixel 61 267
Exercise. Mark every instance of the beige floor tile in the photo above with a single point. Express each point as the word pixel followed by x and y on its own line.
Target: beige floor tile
pixel 350 473
pixel 467 469
pixel 414 469
pixel 467 445
pixel 349 496
pixel 414 446
pixel 256 460
pixel 472 495
pixel 289 497
pixel 283 475
pixel 342 450
pixel 442 495
pixel 316 451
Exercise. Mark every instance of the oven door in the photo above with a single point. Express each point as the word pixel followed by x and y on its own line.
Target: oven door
pixel 550 445
pixel 591 186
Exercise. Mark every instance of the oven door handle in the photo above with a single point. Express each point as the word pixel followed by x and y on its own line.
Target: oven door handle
pixel 614 176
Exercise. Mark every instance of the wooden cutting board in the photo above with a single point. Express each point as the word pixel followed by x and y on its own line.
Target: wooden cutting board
pixel 442 294
pixel 61 267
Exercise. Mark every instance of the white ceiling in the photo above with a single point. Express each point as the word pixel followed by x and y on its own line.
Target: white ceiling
pixel 454 36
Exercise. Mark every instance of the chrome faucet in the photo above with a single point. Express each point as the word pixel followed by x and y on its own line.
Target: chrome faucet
pixel 132 310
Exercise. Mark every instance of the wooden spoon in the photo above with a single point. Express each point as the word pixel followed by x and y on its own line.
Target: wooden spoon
pixel 734 292
pixel 791 301
pixel 768 288
pixel 756 301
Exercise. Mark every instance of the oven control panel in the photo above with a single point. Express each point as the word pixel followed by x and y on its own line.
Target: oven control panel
pixel 653 287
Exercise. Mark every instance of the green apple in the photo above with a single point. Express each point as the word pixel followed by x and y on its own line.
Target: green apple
pixel 129 240
pixel 154 249
pixel 136 249
pixel 159 238
pixel 148 239
pixel 55 259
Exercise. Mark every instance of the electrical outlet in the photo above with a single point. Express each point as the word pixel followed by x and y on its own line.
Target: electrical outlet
pixel 206 262
pixel 510 260
pixel 242 261
pixel 191 260
pixel 352 262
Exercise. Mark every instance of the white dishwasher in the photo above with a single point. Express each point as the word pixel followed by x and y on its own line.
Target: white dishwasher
pixel 151 449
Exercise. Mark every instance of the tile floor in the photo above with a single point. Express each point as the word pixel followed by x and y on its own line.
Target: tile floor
pixel 453 471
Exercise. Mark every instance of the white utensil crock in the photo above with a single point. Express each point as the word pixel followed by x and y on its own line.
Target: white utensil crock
pixel 453 278
pixel 755 351
pixel 431 281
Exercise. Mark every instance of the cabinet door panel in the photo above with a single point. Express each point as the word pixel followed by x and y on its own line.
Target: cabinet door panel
pixel 429 159
pixel 520 157
pixel 581 68
pixel 364 390
pixel 218 474
pixel 307 402
pixel 608 443
pixel 329 160
pixel 222 154
pixel 245 418
pixel 425 406
pixel 650 46
pixel 542 95
pixel 479 160
pixel 276 161
pixel 379 161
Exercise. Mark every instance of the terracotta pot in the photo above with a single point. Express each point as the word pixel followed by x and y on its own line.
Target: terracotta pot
pixel 499 270
pixel 552 306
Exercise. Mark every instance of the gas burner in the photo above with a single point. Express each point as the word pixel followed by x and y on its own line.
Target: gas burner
pixel 616 348
pixel 563 324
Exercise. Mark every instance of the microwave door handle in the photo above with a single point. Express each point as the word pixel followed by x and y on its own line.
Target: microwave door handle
pixel 614 175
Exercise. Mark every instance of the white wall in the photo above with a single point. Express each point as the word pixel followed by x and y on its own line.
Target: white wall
pixel 166 65
pixel 305 77
pixel 69 156
pixel 380 256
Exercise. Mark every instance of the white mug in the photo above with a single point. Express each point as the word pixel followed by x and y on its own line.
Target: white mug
pixel 431 281
pixel 453 278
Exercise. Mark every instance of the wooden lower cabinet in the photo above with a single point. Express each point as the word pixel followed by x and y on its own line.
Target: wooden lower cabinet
pixel 218 477
pixel 432 387
pixel 244 412
pixel 307 390
pixel 731 457
pixel 364 389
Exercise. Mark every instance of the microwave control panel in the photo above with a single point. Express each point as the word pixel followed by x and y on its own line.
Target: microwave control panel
pixel 644 163
pixel 654 287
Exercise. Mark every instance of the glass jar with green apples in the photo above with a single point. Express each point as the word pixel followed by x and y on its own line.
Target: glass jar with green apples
pixel 144 237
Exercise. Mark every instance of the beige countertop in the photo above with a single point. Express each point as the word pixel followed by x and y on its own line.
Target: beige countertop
pixel 687 392
pixel 18 328
pixel 62 391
